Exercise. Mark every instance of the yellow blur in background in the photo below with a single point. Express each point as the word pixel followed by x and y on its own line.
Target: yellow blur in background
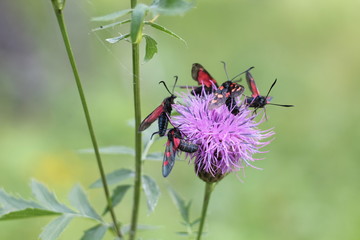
pixel 309 188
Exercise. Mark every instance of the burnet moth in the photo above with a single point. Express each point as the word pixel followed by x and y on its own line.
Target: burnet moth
pixel 161 113
pixel 227 93
pixel 203 78
pixel 174 143
pixel 256 100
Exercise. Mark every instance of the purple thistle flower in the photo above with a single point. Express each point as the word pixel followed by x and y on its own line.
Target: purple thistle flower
pixel 226 141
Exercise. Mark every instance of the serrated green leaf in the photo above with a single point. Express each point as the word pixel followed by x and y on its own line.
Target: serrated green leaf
pixel 9 202
pixel 117 39
pixel 152 192
pixel 47 198
pixel 150 48
pixel 114 177
pixel 27 213
pixel 95 233
pixel 111 150
pixel 170 7
pixel 137 22
pixel 117 196
pixel 111 16
pixel 165 30
pixel 180 204
pixel 110 25
pixel 78 199
pixel 54 229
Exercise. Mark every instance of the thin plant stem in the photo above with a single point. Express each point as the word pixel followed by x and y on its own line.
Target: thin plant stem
pixel 209 187
pixel 138 145
pixel 59 15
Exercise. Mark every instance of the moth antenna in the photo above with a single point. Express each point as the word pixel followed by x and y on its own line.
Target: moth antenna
pixel 176 78
pixel 165 86
pixel 242 73
pixel 227 76
pixel 270 89
pixel 281 105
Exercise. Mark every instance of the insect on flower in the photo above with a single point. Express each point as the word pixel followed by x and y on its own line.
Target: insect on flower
pixel 256 100
pixel 227 92
pixel 161 113
pixel 203 78
pixel 174 143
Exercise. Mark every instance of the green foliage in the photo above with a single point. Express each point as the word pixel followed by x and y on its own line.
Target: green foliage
pixel 139 13
pixel 137 22
pixel 118 38
pixel 114 177
pixel 165 30
pixel 46 204
pixel 56 227
pixel 118 194
pixel 171 7
pixel 184 209
pixel 152 192
pixel 95 233
pixel 150 48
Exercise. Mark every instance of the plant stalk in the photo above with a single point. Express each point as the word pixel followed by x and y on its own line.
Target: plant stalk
pixel 138 144
pixel 59 15
pixel 209 187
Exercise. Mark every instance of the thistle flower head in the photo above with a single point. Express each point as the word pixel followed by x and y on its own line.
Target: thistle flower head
pixel 226 141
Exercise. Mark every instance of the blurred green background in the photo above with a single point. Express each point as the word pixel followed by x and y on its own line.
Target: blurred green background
pixel 309 188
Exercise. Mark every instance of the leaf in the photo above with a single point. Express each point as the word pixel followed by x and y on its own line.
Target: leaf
pixel 114 177
pixel 47 198
pixel 78 199
pixel 180 204
pixel 152 192
pixel 165 30
pixel 118 195
pixel 117 39
pixel 137 22
pixel 27 213
pixel 170 7
pixel 111 150
pixel 95 233
pixel 110 25
pixel 111 16
pixel 9 202
pixel 55 228
pixel 150 48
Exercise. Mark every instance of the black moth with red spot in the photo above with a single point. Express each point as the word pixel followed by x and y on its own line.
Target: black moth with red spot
pixel 174 143
pixel 256 100
pixel 227 93
pixel 203 78
pixel 161 113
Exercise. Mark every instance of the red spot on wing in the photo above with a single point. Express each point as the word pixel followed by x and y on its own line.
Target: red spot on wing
pixel 176 142
pixel 166 163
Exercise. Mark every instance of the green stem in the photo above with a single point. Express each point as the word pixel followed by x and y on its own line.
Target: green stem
pixel 209 187
pixel 138 145
pixel 59 15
